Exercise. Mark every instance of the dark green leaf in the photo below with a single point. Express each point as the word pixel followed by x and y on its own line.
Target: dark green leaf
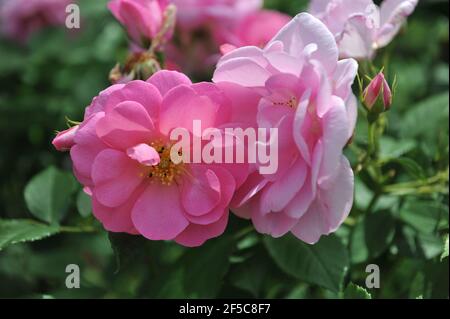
pixel 371 236
pixel 356 292
pixel 48 194
pixel 423 216
pixel 21 230
pixel 205 267
pixel 324 263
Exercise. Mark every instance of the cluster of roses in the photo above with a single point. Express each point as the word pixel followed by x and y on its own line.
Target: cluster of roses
pixel 296 83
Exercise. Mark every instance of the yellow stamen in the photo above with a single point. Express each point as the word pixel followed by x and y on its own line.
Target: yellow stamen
pixel 166 172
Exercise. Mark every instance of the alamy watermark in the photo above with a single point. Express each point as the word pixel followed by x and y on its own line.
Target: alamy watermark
pixel 73 277
pixel 228 145
pixel 72 16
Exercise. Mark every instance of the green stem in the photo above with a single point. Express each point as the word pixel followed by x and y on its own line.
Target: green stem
pixel 437 183
pixel 76 229
pixel 243 232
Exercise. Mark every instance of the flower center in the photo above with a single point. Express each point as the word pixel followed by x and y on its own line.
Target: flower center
pixel 166 172
pixel 292 103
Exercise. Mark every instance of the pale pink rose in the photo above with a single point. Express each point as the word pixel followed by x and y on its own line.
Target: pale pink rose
pixel 143 19
pixel 20 18
pixel 121 154
pixel 361 27
pixel 302 89
pixel 195 13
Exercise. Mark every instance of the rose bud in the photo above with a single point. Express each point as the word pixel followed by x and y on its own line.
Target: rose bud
pixel 377 97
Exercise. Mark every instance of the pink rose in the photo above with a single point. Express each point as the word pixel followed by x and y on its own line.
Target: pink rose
pixel 20 18
pixel 202 32
pixel 143 19
pixel 361 27
pixel 195 13
pixel 121 154
pixel 302 89
pixel 256 29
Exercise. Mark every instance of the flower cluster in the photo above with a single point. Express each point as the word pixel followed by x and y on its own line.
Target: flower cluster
pixel 293 84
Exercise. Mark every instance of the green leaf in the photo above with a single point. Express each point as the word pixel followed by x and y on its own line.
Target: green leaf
pixel 371 236
pixel 323 264
pixel 426 118
pixel 84 205
pixel 445 253
pixel 205 267
pixel 250 275
pixel 48 194
pixel 15 231
pixel 356 292
pixel 392 148
pixel 423 216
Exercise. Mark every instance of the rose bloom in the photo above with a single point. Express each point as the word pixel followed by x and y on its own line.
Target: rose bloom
pixel 20 18
pixel 361 27
pixel 196 13
pixel 303 90
pixel 143 19
pixel 121 154
pixel 257 29
pixel 204 26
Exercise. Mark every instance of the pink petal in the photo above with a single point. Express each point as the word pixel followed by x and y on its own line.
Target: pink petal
pixel 196 235
pixel 65 139
pixel 252 186
pixel 335 137
pixel 330 209
pixel 243 103
pixel 137 91
pixel 275 224
pixel 165 80
pixel 126 125
pixel 115 177
pixel 117 219
pixel 243 71
pixel 87 146
pixel 357 39
pixel 227 188
pixel 278 194
pixel 251 52
pixel 182 105
pixel 343 78
pixel 144 154
pixel 393 14
pixel 305 29
pixel 158 213
pixel 200 190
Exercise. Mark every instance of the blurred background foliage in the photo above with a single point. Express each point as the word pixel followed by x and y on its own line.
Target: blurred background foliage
pixel 399 223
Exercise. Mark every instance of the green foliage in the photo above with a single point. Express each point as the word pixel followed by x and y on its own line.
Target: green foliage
pixel 48 194
pixel 20 230
pixel 356 292
pixel 323 264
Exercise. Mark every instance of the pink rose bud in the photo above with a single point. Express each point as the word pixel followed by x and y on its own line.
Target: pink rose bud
pixel 143 19
pixel 378 91
pixel 65 139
